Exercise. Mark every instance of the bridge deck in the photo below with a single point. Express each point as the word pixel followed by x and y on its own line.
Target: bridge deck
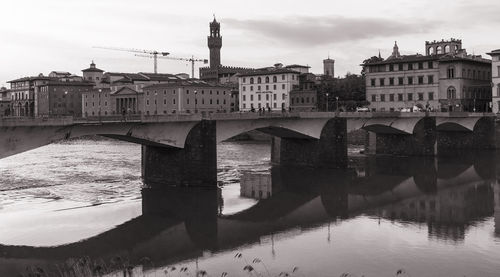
pixel 68 120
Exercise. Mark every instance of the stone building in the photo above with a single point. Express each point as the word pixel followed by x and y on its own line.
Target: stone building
pixel 329 68
pixel 267 88
pixel 216 72
pixel 446 79
pixel 304 97
pixel 191 96
pixel 495 78
pixel 57 98
pixel 22 94
pixel 93 74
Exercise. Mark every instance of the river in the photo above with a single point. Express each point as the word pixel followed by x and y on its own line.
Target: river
pixel 80 206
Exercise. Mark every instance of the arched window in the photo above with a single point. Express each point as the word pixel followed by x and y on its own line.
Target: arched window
pixel 275 79
pixel 451 72
pixel 452 93
pixel 259 80
pixel 431 51
pixel 447 49
pixel 439 50
pixel 251 80
pixel 267 79
pixel 456 48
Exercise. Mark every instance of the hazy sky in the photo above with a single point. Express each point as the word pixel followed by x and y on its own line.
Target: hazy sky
pixel 41 36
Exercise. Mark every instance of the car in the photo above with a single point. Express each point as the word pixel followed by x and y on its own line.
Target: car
pixel 405 110
pixel 362 109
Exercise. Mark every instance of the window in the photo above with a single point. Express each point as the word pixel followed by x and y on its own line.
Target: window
pixel 410 96
pixel 382 97
pixel 430 65
pixel 410 80
pixel 420 80
pixel 374 98
pixel 251 97
pixel 430 95
pixel 283 96
pixel 430 79
pixel 451 93
pixel 401 81
pixel 274 87
pixel 251 80
pixel 391 81
pixel 275 79
pixel 267 97
pixel 282 77
pixel 372 82
pixel 400 67
pixel 244 97
pixel 420 96
pixel 410 66
pixel 258 88
pixel 391 67
pixel 258 97
pixel 420 65
pixel 439 50
pixel 244 80
pixel 283 86
pixel 382 80
pixel 274 96
pixel 447 49
pixel 451 72
pixel 251 88
pixel 173 101
pixel 259 80
pixel 244 88
pixel 391 97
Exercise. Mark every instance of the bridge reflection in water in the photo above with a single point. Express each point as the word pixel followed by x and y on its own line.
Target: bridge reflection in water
pixel 447 194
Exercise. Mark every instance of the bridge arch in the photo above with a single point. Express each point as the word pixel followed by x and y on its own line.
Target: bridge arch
pixel 397 126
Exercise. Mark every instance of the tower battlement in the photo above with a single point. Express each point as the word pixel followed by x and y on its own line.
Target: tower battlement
pixel 437 47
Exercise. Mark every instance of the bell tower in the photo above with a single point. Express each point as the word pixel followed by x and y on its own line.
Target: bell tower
pixel 214 44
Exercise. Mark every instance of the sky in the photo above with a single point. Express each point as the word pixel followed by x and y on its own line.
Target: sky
pixel 41 36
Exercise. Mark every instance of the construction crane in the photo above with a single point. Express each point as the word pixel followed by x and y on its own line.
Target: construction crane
pixel 192 60
pixel 150 53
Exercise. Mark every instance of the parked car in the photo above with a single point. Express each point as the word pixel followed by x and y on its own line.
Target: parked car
pixel 362 109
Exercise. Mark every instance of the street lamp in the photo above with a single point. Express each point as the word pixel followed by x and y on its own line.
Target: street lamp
pixel 337 103
pixel 156 104
pixel 195 101
pixel 327 101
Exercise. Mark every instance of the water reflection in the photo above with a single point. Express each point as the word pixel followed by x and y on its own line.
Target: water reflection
pixel 448 195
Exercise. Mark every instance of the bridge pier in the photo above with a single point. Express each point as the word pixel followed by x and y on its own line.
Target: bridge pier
pixel 193 165
pixel 330 151
pixel 481 137
pixel 388 142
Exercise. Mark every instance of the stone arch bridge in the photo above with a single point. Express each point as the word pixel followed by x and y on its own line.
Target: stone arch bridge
pixel 181 149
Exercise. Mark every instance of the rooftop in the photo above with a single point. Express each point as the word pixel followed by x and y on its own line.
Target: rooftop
pixel 184 83
pixel 268 71
pixel 494 52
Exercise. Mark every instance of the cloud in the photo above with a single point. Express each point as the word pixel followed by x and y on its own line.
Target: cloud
pixel 320 30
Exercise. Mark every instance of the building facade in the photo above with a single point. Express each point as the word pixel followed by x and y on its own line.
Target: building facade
pixel 22 95
pixel 495 80
pixel 304 97
pixel 445 79
pixel 267 89
pixel 58 98
pixel 186 97
pixel 93 74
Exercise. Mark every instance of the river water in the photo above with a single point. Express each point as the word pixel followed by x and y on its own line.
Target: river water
pixel 80 207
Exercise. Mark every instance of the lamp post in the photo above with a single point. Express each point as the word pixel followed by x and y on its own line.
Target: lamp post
pixel 327 102
pixel 156 105
pixel 65 109
pixel 474 109
pixel 195 101
pixel 336 103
